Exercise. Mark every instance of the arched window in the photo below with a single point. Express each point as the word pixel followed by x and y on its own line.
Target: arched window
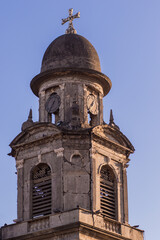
pixel 41 190
pixel 107 192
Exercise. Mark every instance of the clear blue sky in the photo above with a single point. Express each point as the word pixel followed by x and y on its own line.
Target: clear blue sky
pixel 126 35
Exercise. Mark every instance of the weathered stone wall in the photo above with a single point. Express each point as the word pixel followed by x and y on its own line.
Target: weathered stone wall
pixel 69 236
pixel 75 224
pixel 69 160
pixel 37 149
pixel 71 88
pixel 75 159
pixel 76 172
pixel 102 155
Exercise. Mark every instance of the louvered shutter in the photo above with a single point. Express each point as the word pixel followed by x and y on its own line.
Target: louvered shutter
pixel 41 191
pixel 107 192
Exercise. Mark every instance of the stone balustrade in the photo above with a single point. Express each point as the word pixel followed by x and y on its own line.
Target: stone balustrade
pixel 112 226
pixel 43 227
pixel 38 224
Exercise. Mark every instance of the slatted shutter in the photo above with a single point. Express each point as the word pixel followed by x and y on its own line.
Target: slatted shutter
pixel 41 191
pixel 107 192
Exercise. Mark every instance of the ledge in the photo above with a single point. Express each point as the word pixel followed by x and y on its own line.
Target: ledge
pixel 78 221
pixel 47 75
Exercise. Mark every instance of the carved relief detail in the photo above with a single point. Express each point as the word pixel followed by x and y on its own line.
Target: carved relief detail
pixel 38 225
pixel 112 226
pixel 59 152
pixel 39 158
pixel 76 158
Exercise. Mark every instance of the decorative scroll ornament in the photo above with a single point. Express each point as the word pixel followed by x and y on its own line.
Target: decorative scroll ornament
pixel 70 19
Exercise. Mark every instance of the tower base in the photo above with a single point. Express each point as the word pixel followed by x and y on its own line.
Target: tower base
pixel 71 225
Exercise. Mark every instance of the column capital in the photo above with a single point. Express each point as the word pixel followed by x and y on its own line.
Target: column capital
pixel 59 152
pixel 19 164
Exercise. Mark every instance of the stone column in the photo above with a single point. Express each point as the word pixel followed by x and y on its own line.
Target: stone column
pixel 80 102
pixel 119 201
pixel 57 183
pixel 85 114
pixel 61 108
pixel 100 108
pixel 42 111
pixel 95 181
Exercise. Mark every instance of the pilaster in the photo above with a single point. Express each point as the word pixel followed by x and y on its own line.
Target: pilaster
pixel 125 192
pixel 42 99
pixel 20 186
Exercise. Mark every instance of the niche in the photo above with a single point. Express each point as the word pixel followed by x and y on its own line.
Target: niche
pixel 77 160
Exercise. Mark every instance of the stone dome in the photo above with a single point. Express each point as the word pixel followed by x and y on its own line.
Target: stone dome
pixel 70 51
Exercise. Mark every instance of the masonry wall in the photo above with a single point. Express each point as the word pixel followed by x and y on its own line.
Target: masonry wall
pixel 76 172
pixel 75 87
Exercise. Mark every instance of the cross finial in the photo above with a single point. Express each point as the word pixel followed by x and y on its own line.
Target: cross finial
pixel 70 19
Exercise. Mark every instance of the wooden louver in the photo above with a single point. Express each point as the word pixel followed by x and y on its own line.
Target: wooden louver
pixel 41 191
pixel 107 192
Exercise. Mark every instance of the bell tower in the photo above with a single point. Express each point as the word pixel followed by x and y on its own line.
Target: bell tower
pixel 70 74
pixel 71 166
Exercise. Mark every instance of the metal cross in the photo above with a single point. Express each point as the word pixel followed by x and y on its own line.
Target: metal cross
pixel 70 19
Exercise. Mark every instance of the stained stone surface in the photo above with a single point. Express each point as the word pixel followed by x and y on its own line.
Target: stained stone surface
pixel 77 224
pixel 73 51
pixel 75 147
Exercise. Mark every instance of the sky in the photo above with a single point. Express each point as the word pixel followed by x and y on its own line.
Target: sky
pixel 126 35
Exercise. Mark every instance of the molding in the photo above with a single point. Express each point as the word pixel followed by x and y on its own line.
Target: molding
pixel 61 86
pixel 39 158
pixel 91 74
pixel 93 151
pixel 74 221
pixel 108 152
pixel 59 152
pixel 76 152
pixel 20 164
pixel 36 142
pixel 41 94
pixel 113 169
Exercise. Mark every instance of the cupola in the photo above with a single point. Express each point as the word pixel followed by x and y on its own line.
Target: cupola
pixel 70 51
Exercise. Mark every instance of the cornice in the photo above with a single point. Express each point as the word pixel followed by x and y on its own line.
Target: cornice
pixel 38 80
pixel 111 144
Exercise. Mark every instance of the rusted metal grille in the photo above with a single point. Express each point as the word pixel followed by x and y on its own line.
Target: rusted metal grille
pixel 107 192
pixel 41 191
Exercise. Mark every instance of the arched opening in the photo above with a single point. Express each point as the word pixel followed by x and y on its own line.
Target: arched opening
pixel 89 119
pixel 92 119
pixel 53 118
pixel 108 192
pixel 41 190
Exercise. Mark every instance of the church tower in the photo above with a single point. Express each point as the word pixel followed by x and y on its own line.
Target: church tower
pixel 71 166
